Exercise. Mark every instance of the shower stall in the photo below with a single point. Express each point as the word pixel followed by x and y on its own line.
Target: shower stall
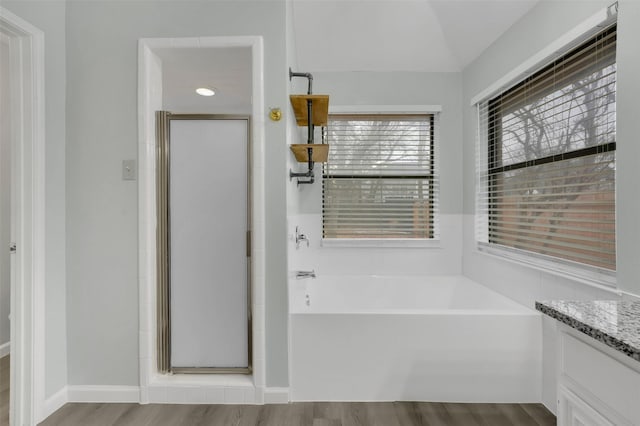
pixel 203 243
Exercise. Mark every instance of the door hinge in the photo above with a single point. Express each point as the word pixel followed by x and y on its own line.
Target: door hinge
pixel 13 247
pixel 248 243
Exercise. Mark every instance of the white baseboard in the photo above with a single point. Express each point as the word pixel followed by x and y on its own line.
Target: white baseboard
pixel 103 393
pixel 276 395
pixel 124 394
pixel 54 403
pixel 5 349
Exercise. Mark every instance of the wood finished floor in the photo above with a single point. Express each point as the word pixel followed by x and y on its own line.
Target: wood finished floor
pixel 295 414
pixel 4 391
pixel 303 414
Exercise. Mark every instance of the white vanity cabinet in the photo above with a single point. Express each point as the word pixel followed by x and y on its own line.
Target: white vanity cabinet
pixel 574 411
pixel 597 385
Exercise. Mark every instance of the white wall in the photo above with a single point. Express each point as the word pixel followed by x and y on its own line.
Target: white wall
pixel 49 16
pixel 387 89
pixel 544 23
pixel 102 214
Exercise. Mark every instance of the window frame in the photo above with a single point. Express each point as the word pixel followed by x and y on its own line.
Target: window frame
pixel 489 150
pixel 399 111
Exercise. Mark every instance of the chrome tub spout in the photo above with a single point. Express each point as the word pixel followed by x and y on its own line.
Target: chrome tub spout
pixel 305 274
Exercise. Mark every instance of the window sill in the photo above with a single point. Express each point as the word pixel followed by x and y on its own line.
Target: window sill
pixel 381 242
pixel 594 277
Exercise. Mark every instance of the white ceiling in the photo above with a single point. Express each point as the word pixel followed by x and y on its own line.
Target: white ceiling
pixel 399 35
pixel 227 70
pixel 346 35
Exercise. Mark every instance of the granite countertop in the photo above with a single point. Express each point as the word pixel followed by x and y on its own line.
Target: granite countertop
pixel 614 323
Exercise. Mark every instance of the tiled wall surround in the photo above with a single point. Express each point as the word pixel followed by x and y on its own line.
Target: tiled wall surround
pixel 447 259
pixel 444 259
pixel 523 283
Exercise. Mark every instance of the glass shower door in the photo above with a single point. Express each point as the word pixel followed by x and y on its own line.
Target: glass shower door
pixel 207 244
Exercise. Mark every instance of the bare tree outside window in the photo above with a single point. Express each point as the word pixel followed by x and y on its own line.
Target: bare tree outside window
pixel 379 181
pixel 552 158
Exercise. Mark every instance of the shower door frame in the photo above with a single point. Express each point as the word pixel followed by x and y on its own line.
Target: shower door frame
pixel 163 242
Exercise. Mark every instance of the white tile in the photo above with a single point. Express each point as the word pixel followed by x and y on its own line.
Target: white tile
pixel 258 339
pixel 214 395
pixel 258 148
pixel 259 259
pixel 143 349
pixel 258 240
pixel 157 42
pixel 157 394
pixel 195 395
pixel 234 395
pixel 258 199
pixel 185 42
pixel 258 278
pixel 587 292
pixel 176 395
pixel 250 396
pixel 276 396
pixel 554 287
pixel 258 315
pixel 216 41
pixel 259 263
pixel 259 395
pixel 144 370
pixel 258 372
pixel 142 273
pixel 144 395
pixel 258 290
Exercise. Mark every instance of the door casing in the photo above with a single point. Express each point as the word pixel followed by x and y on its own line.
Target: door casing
pixel 28 222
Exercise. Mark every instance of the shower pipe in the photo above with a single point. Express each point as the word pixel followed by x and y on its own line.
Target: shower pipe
pixel 310 130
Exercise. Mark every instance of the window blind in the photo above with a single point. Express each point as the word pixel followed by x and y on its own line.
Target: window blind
pixel 380 180
pixel 546 168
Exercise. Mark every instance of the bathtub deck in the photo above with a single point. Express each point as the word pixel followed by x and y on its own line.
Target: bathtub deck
pixel 303 414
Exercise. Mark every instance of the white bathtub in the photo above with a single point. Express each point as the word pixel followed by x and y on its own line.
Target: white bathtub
pixel 373 338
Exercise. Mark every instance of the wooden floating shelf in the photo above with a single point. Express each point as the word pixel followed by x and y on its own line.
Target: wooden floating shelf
pixel 319 106
pixel 319 155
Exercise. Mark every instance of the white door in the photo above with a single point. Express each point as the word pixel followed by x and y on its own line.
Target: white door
pixel 5 192
pixel 208 259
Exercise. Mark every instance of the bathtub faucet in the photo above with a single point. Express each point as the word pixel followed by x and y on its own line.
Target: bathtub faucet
pixel 300 237
pixel 305 274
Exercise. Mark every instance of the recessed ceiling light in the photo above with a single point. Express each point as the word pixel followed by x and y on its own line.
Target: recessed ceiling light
pixel 205 91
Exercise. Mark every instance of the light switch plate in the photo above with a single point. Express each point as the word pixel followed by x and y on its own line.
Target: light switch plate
pixel 128 169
